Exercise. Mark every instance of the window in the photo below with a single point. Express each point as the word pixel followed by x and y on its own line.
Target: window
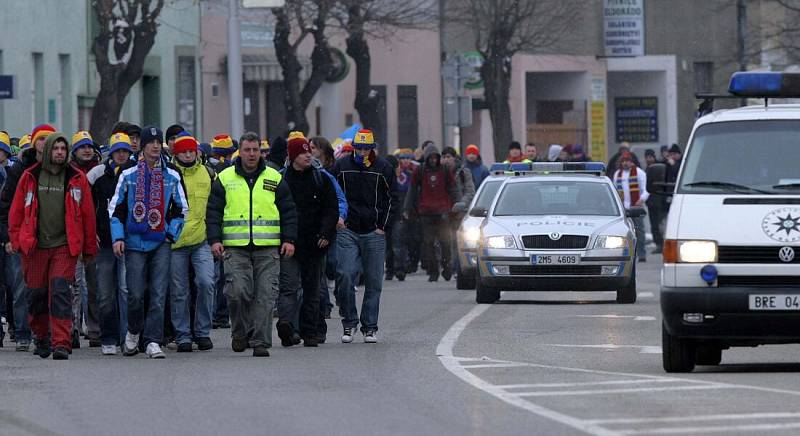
pixel 380 129
pixel 151 101
pixel 703 77
pixel 39 113
pixel 186 92
pixel 557 198
pixel 407 116
pixel 65 93
pixel 215 90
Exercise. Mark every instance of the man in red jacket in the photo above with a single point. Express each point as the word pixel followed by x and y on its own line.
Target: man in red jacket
pixel 52 222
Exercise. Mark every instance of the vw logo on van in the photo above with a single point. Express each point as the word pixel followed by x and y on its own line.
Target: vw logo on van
pixel 786 254
pixel 782 225
pixel 555 236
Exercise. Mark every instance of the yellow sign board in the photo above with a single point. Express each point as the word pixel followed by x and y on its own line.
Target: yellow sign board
pixel 598 135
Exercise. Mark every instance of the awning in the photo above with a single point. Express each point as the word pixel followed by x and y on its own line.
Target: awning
pixel 264 68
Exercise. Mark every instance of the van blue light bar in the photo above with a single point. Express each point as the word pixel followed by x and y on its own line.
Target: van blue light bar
pixel 765 84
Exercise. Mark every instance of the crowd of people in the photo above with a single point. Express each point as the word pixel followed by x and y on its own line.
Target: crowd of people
pixel 156 238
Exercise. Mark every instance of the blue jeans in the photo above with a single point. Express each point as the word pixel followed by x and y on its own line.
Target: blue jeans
pixel 638 223
pixel 147 270
pixel 198 256
pixel 357 253
pixel 108 296
pixel 21 296
pixel 122 298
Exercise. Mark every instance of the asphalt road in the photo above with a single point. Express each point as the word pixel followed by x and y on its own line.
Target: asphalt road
pixel 534 363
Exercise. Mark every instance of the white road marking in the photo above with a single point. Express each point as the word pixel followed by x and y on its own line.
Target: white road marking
pixel 713 429
pixel 645 295
pixel 651 350
pixel 722 417
pixel 633 317
pixel 618 391
pixel 643 349
pixel 496 365
pixel 572 385
pixel 645 318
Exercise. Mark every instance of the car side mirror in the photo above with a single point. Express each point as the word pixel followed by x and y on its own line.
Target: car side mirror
pixel 635 212
pixel 478 212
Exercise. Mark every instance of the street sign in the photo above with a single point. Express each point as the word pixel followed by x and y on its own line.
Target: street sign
pixel 458 111
pixel 263 3
pixel 6 87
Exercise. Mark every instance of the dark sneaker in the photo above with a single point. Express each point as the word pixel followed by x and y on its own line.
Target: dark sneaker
pixel 447 274
pixel 42 348
pixel 260 351
pixel 327 314
pixel 94 343
pixel 185 347
pixel 239 344
pixel 310 341
pixel 321 338
pixel 433 278
pixel 388 276
pixel 23 345
pixel 204 344
pixel 76 339
pixel 401 276
pixel 296 339
pixel 60 353
pixel 222 324
pixel 286 333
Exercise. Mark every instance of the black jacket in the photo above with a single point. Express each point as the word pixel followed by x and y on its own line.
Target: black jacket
pixel 104 182
pixel 283 200
pixel 368 192
pixel 13 175
pixel 317 208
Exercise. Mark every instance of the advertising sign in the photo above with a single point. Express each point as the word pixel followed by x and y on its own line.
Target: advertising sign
pixel 623 27
pixel 637 119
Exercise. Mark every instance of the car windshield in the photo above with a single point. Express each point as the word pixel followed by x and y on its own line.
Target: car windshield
pixel 487 193
pixel 743 157
pixel 556 198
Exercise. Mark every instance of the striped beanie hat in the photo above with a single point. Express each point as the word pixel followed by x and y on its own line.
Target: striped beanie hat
pixel 223 145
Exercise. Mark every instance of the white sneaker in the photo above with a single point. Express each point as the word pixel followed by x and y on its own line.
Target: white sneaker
pixel 131 345
pixel 154 351
pixel 370 337
pixel 108 350
pixel 347 336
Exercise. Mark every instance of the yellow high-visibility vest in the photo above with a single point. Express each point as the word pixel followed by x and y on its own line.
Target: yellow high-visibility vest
pixel 250 215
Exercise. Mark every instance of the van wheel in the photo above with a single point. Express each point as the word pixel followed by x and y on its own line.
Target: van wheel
pixel 678 354
pixel 483 293
pixel 465 280
pixel 709 355
pixel 627 295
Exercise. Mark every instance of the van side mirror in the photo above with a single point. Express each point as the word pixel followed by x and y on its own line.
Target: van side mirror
pixel 478 212
pixel 635 212
pixel 657 180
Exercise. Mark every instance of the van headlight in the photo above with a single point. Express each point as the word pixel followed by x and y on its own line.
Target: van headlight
pixel 697 251
pixel 471 235
pixel 608 241
pixel 505 241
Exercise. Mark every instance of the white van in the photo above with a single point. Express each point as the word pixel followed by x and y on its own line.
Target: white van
pixel 731 273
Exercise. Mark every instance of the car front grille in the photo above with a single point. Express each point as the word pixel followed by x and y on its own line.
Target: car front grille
pixel 566 242
pixel 750 254
pixel 759 281
pixel 554 270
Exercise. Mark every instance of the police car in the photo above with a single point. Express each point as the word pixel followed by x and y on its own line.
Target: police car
pixel 731 273
pixel 469 232
pixel 556 227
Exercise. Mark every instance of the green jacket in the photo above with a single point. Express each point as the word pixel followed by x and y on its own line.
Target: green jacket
pixel 197 181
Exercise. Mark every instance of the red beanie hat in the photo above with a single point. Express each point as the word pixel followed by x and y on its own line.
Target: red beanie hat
pixel 297 144
pixel 473 149
pixel 42 130
pixel 184 143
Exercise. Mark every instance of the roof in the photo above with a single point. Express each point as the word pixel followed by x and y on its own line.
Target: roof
pixel 757 112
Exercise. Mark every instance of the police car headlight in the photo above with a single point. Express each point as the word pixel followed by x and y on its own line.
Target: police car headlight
pixel 506 241
pixel 697 251
pixel 471 235
pixel 608 241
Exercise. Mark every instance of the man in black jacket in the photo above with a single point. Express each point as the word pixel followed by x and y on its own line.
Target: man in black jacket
pixel 318 213
pixel 368 182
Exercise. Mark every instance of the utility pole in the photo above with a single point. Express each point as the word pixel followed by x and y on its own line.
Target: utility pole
pixel 235 91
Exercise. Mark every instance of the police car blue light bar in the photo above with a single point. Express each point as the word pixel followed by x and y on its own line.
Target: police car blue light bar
pixel 521 168
pixel 765 84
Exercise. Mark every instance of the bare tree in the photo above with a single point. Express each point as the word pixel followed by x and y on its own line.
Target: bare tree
pixel 780 33
pixel 301 19
pixel 381 19
pixel 127 33
pixel 501 29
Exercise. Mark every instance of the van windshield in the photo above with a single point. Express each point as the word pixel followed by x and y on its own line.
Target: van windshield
pixel 743 157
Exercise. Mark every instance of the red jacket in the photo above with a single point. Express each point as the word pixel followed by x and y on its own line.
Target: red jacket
pixel 79 207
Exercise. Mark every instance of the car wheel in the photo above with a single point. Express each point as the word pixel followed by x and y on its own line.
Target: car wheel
pixel 627 295
pixel 678 354
pixel 465 280
pixel 709 355
pixel 483 293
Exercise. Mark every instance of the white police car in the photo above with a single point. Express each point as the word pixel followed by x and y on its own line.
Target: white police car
pixel 731 272
pixel 469 232
pixel 556 227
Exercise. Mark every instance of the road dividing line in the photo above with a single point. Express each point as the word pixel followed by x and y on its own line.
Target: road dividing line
pixel 445 353
pixel 713 429
pixel 618 391
pixel 575 385
pixel 722 417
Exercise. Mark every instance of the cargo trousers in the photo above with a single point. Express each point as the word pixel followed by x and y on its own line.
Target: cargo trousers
pixel 251 277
